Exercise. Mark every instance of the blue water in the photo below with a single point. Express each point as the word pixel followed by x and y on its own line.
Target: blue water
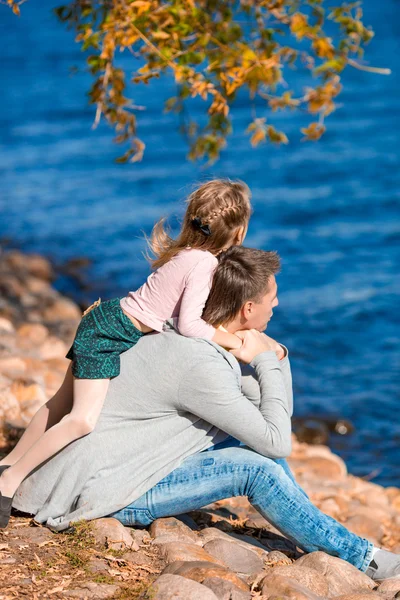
pixel 330 209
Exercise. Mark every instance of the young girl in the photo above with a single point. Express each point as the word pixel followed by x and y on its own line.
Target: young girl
pixel 216 218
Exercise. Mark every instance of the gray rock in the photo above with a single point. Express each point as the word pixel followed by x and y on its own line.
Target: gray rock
pixel 342 577
pixel 200 570
pixel 235 556
pixel 225 590
pixel 111 533
pixel 309 578
pixel 281 587
pixel 389 585
pixel 171 530
pixel 175 551
pixel 246 541
pixel 175 587
pixel 97 565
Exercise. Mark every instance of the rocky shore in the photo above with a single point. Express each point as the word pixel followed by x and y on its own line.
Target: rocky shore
pixel 226 551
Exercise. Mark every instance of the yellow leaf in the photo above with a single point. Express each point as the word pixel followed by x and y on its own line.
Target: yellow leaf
pixel 161 35
pixel 313 132
pixel 257 137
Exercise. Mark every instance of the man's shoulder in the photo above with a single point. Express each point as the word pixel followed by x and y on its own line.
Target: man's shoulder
pixel 193 351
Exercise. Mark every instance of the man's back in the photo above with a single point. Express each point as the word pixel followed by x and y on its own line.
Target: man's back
pixel 141 436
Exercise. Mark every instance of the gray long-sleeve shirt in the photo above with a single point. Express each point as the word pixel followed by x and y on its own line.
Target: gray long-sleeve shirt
pixel 175 397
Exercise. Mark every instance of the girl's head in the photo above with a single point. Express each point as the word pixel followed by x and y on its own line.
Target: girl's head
pixel 216 218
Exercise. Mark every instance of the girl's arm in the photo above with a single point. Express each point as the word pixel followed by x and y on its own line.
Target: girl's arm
pixel 197 287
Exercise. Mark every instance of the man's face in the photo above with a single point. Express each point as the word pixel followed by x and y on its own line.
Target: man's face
pixel 258 314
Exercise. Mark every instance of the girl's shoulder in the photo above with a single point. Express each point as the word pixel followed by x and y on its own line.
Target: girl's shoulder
pixel 192 256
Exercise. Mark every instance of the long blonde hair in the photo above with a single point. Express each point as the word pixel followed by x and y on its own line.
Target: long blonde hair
pixel 215 212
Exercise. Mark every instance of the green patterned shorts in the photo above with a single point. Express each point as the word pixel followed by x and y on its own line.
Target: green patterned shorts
pixel 103 334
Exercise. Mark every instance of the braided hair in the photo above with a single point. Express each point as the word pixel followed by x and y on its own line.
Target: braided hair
pixel 216 211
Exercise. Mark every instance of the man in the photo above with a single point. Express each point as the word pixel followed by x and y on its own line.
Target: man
pixel 176 397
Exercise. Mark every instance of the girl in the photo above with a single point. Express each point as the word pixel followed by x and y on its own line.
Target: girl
pixel 216 218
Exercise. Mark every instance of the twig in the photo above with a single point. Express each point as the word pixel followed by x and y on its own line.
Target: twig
pixel 379 70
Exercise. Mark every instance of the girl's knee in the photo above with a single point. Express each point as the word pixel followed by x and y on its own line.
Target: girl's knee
pixel 80 425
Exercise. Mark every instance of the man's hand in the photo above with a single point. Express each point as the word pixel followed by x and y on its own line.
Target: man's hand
pixel 255 343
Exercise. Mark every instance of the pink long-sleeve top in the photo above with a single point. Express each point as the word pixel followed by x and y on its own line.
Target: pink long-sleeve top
pixel 179 289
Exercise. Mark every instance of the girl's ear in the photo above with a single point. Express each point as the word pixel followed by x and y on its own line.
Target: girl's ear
pixel 240 235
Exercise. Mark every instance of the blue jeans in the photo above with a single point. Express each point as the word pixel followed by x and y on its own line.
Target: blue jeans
pixel 231 469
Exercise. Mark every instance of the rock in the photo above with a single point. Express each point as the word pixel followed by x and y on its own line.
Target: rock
pixel 389 585
pixel 175 551
pixel 35 535
pixel 280 587
pixel 137 558
pixel 171 530
pixel 62 309
pixel 246 541
pixel 89 590
pixel 39 267
pixel 367 527
pixel 309 578
pixel 10 409
pixel 97 565
pixel 360 596
pixel 111 533
pixel 320 467
pixel 31 335
pixel 225 590
pixel 175 587
pixel 342 577
pixel 276 558
pixel 141 536
pixel 12 367
pixel 235 556
pixel 52 347
pixel 200 570
pixel 6 326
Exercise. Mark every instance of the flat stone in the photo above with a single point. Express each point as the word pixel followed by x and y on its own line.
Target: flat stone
pixel 174 551
pixel 34 535
pixel 97 565
pixel 280 587
pixel 309 578
pixel 171 530
pixel 109 532
pixel 235 556
pixel 200 570
pixel 175 587
pixel 342 577
pixel 99 591
pixel 389 585
pixel 225 590
pixel 138 558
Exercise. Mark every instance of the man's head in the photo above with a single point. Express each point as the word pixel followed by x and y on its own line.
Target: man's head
pixel 244 290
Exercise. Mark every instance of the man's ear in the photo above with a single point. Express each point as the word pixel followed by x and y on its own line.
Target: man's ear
pixel 247 309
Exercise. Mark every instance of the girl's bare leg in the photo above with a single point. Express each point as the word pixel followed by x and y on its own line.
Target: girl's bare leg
pixel 48 415
pixel 89 395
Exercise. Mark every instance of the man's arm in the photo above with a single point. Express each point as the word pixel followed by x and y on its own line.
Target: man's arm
pixel 251 387
pixel 211 390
